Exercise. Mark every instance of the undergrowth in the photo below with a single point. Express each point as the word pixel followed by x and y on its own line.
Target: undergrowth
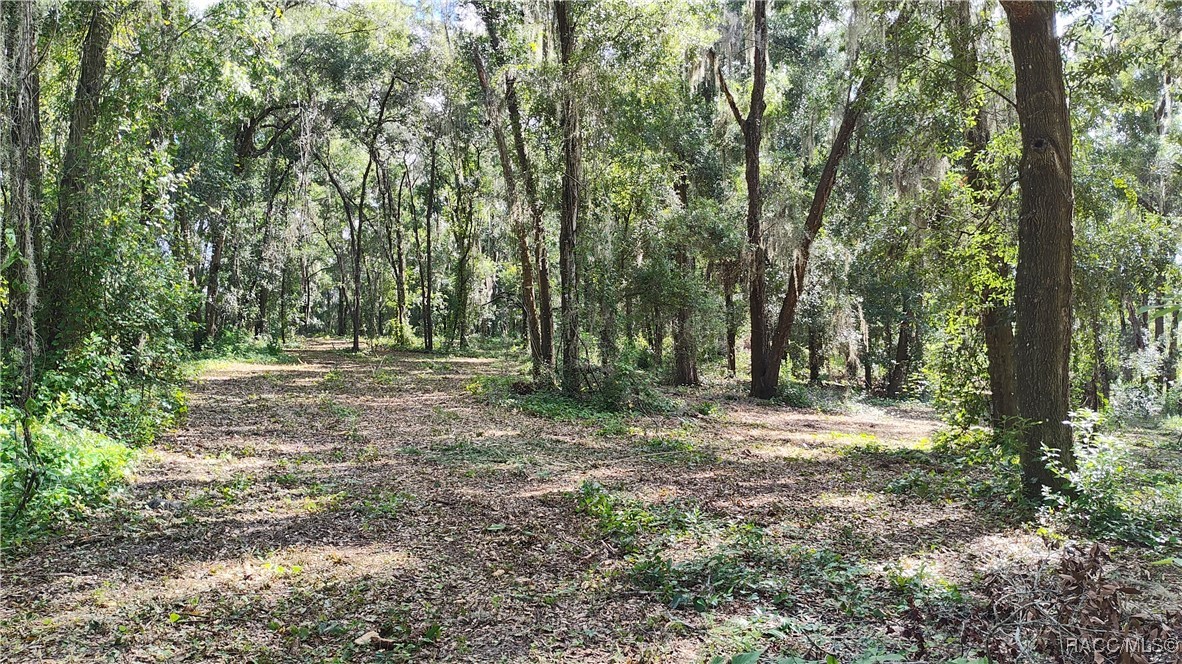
pixel 605 408
pixel 76 470
pixel 694 561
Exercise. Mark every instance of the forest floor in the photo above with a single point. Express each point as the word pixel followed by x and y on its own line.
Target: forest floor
pixel 305 506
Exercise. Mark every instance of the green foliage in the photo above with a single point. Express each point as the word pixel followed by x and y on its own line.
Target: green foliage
pixel 1112 495
pixel 128 394
pixel 238 345
pixel 795 395
pixel 627 394
pixel 964 464
pixel 626 389
pixel 676 448
pixel 625 522
pixel 76 469
pixel 694 561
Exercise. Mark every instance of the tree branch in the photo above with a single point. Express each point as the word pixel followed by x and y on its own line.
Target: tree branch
pixel 730 99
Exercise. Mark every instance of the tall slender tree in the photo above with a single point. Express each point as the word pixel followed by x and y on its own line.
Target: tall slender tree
pixel 571 176
pixel 70 291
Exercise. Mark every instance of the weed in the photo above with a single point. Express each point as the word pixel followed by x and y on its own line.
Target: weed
pixel 337 410
pixel 676 449
pixel 387 505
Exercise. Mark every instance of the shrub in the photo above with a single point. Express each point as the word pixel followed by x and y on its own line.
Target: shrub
pixel 794 395
pixel 77 469
pixel 1111 496
pixel 129 394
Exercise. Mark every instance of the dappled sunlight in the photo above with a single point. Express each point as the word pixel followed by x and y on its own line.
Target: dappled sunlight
pixel 337 498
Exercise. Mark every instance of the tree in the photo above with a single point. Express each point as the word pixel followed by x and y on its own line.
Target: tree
pixel 769 344
pixel 996 324
pixel 68 293
pixel 1043 283
pixel 538 359
pixel 571 176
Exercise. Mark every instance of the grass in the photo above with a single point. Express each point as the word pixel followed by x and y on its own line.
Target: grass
pixel 235 351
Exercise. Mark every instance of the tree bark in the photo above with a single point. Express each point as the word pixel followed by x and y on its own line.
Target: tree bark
pixel 543 299
pixel 69 290
pixel 732 326
pixel 685 352
pixel 428 285
pixel 769 345
pixel 571 176
pixel 763 382
pixel 814 355
pixel 1043 284
pixel 898 375
pixel 22 172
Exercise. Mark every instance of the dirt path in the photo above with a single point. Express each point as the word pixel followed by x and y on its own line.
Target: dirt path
pixel 303 505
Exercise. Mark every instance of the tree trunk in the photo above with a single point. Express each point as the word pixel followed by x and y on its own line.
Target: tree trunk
pixel 512 205
pixel 283 305
pixel 685 352
pixel 814 355
pixel 571 176
pixel 763 383
pixel 732 327
pixel 996 324
pixel 1043 285
pixel 342 307
pixel 1098 390
pixel 70 290
pixel 212 280
pixel 428 285
pixel 544 298
pixel 999 354
pixel 22 174
pixel 1171 368
pixel 898 375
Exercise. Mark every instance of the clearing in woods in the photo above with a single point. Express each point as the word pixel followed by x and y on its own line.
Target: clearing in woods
pixel 304 506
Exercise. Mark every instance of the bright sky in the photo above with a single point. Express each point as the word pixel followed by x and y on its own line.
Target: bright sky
pixel 198 7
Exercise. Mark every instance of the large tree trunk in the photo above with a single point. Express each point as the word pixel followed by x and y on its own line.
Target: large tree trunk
pixel 512 205
pixel 1043 285
pixel 69 291
pixel 22 174
pixel 571 175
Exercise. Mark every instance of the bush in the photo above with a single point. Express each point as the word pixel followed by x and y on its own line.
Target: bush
pixel 1132 404
pixel 794 395
pixel 1112 497
pixel 129 394
pixel 628 389
pixel 77 470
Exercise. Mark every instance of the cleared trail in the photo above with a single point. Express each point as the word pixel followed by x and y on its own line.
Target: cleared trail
pixel 303 505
